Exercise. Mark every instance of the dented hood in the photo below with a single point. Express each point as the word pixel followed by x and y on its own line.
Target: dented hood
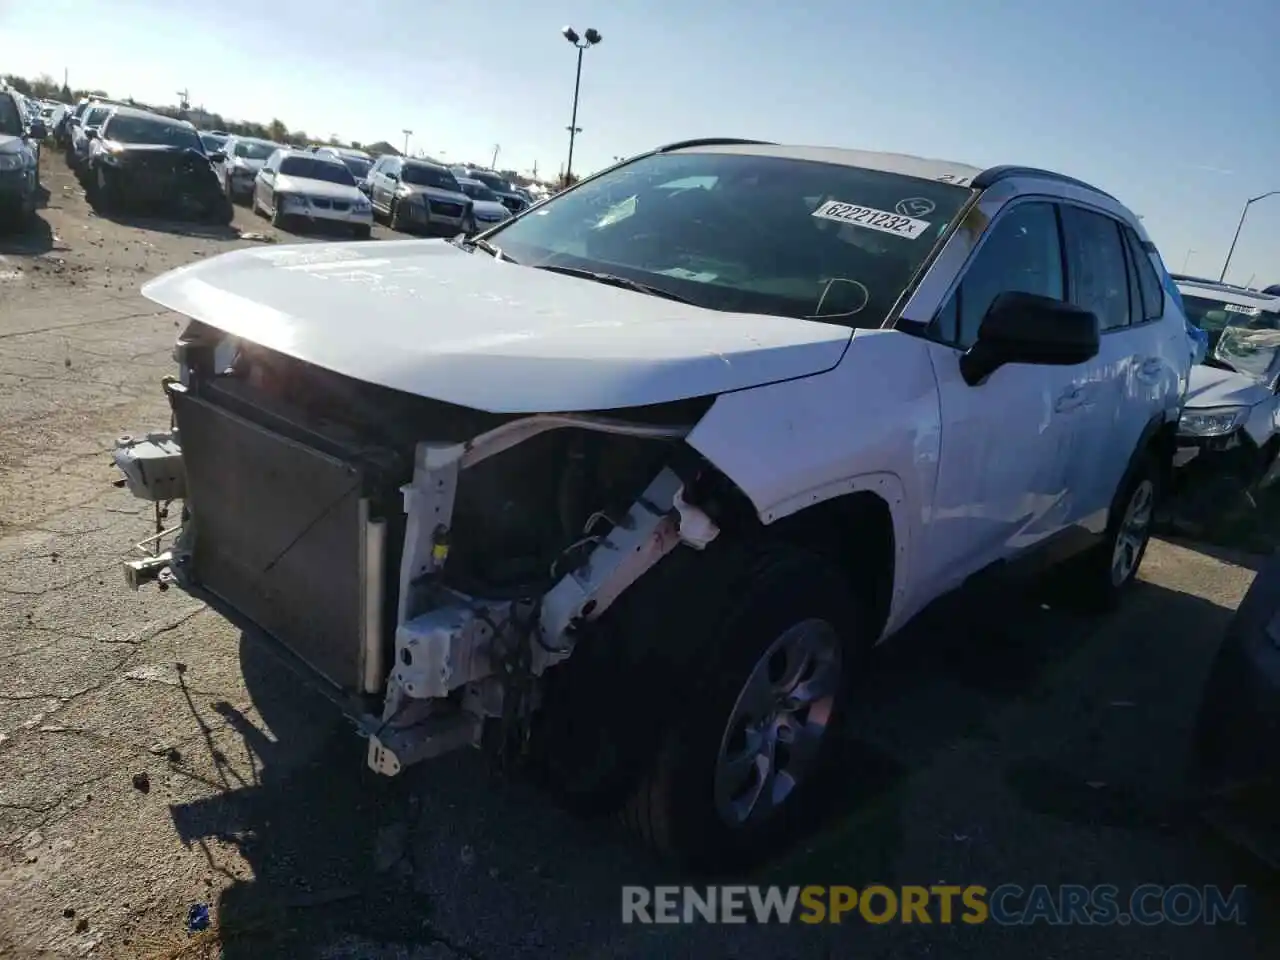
pixel 1213 387
pixel 430 319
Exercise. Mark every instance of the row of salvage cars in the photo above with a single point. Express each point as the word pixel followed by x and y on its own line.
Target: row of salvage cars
pixel 627 486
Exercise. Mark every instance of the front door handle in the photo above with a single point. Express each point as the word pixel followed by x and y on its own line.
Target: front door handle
pixel 1150 368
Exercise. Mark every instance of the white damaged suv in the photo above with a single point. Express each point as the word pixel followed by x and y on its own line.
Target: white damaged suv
pixel 629 484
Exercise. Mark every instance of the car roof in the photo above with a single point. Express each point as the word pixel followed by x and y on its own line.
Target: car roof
pixel 118 111
pixel 906 164
pixel 241 138
pixel 418 162
pixel 299 152
pixel 1226 293
pixel 347 152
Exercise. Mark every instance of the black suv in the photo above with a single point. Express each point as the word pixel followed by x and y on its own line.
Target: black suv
pixel 141 159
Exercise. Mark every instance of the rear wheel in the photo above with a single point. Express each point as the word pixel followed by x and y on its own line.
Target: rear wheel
pixel 1099 577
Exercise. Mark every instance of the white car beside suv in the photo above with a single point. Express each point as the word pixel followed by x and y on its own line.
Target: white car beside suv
pixel 1231 421
pixel 630 486
pixel 295 186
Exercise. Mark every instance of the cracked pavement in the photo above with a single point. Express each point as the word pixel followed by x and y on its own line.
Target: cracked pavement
pixel 152 757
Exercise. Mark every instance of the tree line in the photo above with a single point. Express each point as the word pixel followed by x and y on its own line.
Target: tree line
pixel 44 87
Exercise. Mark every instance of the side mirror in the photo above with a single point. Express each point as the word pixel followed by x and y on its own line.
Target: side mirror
pixel 38 130
pixel 1028 328
pixel 393 176
pixel 217 156
pixel 91 134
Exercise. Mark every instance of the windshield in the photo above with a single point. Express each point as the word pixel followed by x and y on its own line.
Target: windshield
pixel 126 129
pixel 423 176
pixel 478 191
pixel 1250 344
pixel 96 116
pixel 10 117
pixel 311 168
pixel 212 141
pixel 252 150
pixel 746 234
pixel 358 166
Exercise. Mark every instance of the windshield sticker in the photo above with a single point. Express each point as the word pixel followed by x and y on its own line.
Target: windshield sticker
pixel 680 273
pixel 915 207
pixel 955 178
pixel 1236 308
pixel 872 219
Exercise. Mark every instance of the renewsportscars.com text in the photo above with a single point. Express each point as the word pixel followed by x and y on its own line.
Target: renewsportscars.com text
pixel 1005 905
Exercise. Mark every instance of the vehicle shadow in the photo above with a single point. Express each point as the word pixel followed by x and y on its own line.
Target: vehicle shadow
pixel 32 240
pixel 162 223
pixel 450 857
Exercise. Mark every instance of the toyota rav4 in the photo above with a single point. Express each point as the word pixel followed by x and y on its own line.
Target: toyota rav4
pixel 630 484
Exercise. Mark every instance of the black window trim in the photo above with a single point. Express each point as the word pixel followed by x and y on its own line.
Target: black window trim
pixel 1130 267
pixel 927 331
pixel 1135 245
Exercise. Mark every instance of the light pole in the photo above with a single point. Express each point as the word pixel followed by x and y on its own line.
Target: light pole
pixel 494 164
pixel 407 135
pixel 1243 213
pixel 588 39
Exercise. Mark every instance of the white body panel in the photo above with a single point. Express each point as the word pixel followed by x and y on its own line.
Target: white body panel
pixel 425 317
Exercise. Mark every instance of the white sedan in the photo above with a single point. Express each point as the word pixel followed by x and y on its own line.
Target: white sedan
pixel 295 186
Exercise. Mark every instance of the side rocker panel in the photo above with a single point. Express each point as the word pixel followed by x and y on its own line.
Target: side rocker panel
pixel 871 424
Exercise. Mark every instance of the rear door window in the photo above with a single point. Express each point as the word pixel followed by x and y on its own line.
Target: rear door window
pixel 1096 264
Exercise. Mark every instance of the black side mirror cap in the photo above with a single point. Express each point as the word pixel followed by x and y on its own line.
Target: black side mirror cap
pixel 1028 328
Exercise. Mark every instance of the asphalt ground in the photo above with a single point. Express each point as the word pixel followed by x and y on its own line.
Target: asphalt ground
pixel 152 758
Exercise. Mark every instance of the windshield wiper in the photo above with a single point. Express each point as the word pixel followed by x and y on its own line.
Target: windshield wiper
pixel 613 280
pixel 471 243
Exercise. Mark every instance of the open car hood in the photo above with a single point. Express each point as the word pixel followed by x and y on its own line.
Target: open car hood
pixel 430 319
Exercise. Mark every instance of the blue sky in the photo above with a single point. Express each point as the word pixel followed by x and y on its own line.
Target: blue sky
pixel 1173 106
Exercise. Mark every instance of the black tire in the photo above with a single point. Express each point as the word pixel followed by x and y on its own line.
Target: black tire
pixel 750 598
pixel 362 231
pixel 220 211
pixel 394 219
pixel 279 219
pixel 101 189
pixel 1091 580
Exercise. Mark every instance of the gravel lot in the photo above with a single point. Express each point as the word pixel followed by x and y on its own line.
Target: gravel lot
pixel 151 757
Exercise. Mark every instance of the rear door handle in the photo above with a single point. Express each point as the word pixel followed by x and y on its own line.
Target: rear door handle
pixel 1071 398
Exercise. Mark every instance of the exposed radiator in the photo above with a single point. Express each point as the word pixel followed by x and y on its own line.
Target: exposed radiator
pixel 283 535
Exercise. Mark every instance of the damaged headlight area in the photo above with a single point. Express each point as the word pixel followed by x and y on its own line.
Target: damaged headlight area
pixel 1212 421
pixel 428 562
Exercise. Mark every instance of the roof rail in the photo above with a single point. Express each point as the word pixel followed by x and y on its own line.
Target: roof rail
pixel 714 142
pixel 993 175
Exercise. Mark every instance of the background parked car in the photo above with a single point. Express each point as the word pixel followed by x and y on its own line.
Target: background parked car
pixel 418 196
pixel 296 185
pixel 497 183
pixel 213 139
pixel 237 163
pixel 95 115
pixel 19 164
pixel 141 159
pixel 357 161
pixel 487 209
pixel 1229 433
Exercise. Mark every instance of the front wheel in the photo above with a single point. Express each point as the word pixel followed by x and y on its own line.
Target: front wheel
pixel 220 212
pixel 362 231
pixel 278 218
pixel 746 755
pixel 395 219
pixel 103 189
